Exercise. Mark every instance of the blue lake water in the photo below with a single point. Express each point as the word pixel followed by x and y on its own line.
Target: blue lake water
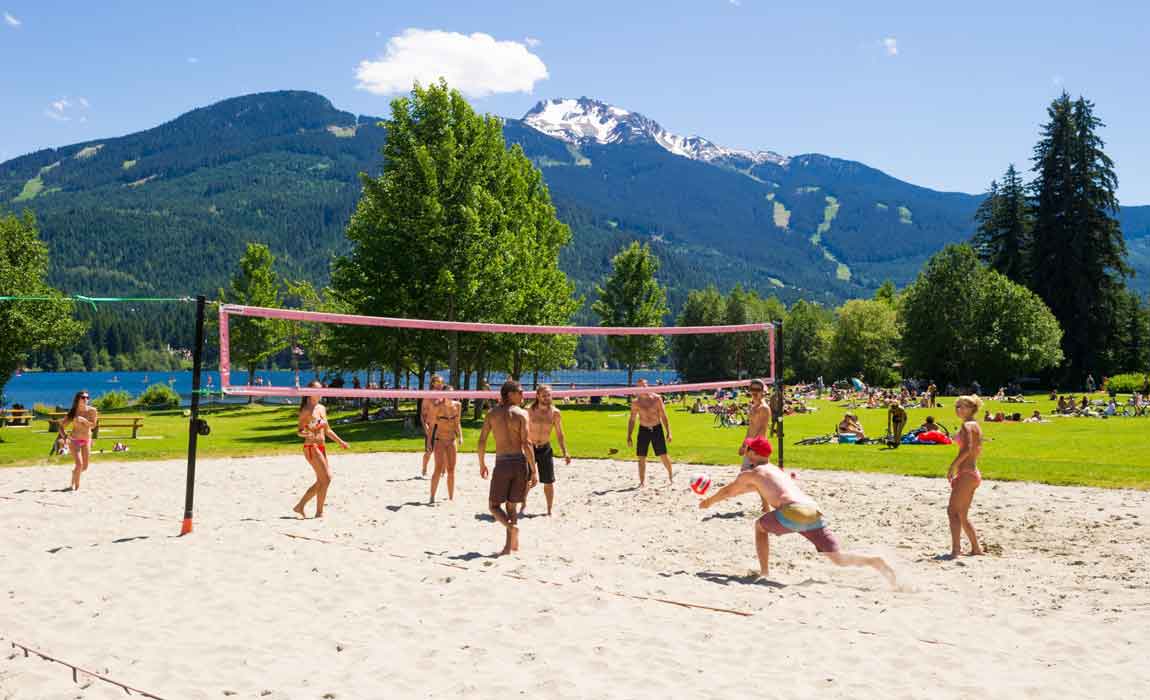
pixel 58 388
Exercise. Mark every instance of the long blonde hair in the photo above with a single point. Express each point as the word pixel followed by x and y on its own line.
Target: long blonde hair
pixel 971 400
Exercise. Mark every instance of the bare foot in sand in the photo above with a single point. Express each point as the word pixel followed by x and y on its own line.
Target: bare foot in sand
pixel 888 573
pixel 299 509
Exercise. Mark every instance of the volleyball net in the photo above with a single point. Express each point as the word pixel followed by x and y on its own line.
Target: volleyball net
pixel 226 311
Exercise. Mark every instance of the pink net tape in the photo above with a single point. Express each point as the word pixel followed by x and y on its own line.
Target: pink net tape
pixel 421 324
pixel 292 392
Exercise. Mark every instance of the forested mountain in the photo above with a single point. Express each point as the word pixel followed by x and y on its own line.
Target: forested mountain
pixel 169 210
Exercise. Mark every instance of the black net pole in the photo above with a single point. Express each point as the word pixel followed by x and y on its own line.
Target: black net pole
pixel 782 402
pixel 194 423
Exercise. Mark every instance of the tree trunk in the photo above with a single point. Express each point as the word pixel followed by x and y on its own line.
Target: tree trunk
pixel 480 378
pixel 453 351
pixel 395 401
pixel 630 375
pixel 251 380
pixel 466 385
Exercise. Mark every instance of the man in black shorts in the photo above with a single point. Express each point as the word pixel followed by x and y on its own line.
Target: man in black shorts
pixel 545 419
pixel 654 430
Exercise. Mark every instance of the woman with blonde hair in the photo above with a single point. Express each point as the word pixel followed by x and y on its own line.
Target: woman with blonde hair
pixel 314 429
pixel 963 474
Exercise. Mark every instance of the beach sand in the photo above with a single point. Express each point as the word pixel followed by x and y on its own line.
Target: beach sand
pixel 400 599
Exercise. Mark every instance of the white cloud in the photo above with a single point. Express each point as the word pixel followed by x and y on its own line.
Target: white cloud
pixel 532 42
pixel 65 109
pixel 193 59
pixel 736 3
pixel 11 21
pixel 475 64
pixel 1057 81
pixel 890 45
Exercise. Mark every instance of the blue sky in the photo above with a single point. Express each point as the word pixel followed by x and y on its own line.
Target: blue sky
pixel 944 97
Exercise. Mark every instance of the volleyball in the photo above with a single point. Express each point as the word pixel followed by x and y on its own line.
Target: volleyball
pixel 700 483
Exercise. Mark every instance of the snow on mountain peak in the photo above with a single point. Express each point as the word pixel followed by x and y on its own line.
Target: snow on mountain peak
pixel 584 119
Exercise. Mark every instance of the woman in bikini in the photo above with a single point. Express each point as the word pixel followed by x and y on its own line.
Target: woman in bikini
pixel 314 429
pixel 446 435
pixel 963 474
pixel 83 419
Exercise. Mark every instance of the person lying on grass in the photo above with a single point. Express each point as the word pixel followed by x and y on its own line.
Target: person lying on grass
pixel 792 511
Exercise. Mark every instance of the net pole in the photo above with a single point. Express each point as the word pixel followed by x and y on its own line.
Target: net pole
pixel 777 361
pixel 194 422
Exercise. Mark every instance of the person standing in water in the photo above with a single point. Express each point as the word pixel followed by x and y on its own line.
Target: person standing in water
pixel 964 476
pixel 84 420
pixel 314 429
pixel 515 470
pixel 545 418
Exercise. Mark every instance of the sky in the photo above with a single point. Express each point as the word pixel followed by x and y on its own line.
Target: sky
pixel 943 97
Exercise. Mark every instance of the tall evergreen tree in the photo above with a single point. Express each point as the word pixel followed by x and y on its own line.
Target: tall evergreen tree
pixel 1003 238
pixel 1079 255
pixel 631 296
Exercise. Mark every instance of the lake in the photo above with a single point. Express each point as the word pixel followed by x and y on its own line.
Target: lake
pixel 58 388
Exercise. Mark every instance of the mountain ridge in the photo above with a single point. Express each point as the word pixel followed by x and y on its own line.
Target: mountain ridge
pixel 129 213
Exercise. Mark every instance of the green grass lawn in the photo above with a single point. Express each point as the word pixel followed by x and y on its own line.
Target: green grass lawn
pixel 1084 451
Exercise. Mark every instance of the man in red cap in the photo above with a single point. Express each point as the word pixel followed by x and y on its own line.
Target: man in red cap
pixel 793 511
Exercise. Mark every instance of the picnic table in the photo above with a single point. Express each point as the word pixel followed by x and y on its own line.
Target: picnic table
pixel 15 416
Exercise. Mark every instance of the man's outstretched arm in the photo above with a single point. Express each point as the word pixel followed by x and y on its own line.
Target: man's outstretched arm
pixel 739 486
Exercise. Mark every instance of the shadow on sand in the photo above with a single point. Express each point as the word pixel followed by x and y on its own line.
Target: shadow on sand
pixel 396 509
pixel 745 580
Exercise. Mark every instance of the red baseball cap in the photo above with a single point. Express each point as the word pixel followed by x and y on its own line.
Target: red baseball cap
pixel 760 445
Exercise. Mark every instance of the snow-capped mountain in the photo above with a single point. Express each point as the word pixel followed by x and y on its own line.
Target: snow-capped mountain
pixel 584 119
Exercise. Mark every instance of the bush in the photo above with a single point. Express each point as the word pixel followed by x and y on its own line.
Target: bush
pixel 113 400
pixel 1126 383
pixel 42 409
pixel 159 396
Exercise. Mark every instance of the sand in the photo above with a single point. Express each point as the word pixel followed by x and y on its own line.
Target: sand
pixel 404 600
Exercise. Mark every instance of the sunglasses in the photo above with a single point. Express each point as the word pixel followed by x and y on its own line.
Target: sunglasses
pixel 83 396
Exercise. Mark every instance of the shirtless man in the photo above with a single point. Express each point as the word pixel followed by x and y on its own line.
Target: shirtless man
pixel 428 424
pixel 544 418
pixel 648 408
pixel 758 418
pixel 447 433
pixel 794 511
pixel 758 423
pixel 515 470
